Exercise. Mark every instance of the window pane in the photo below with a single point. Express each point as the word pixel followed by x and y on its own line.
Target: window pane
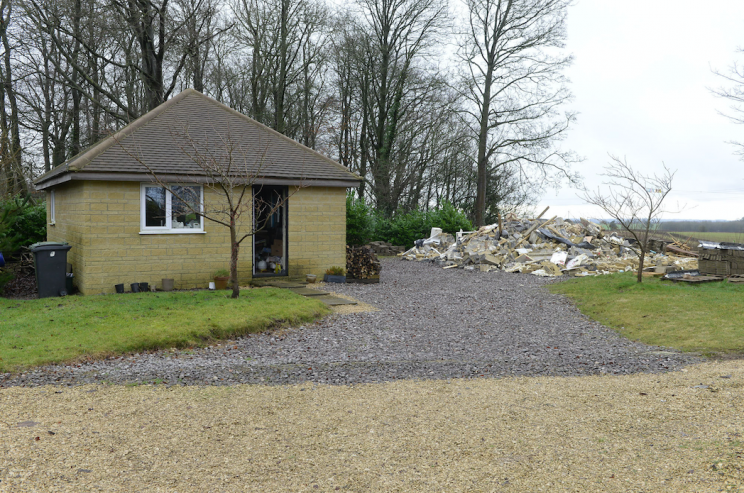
pixel 155 207
pixel 185 202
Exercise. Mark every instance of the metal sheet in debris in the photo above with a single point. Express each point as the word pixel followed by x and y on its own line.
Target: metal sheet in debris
pixel 715 245
pixel 682 273
pixel 699 279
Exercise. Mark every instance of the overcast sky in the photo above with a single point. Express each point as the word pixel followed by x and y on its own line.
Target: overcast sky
pixel 640 79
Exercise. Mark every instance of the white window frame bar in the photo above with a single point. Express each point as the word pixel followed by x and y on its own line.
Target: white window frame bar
pixel 52 212
pixel 168 230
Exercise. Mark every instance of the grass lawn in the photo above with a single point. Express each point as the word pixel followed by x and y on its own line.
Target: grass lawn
pixel 49 330
pixel 708 318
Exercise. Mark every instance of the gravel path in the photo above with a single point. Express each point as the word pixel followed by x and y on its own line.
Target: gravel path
pixel 432 324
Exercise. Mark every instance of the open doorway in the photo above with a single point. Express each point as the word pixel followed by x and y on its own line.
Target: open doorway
pixel 270 226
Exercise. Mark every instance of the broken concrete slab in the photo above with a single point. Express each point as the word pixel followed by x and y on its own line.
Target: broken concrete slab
pixel 550 248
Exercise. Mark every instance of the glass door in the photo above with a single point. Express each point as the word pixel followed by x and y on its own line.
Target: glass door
pixel 270 230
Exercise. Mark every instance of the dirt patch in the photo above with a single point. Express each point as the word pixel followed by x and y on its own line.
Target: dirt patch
pixel 23 284
pixel 678 431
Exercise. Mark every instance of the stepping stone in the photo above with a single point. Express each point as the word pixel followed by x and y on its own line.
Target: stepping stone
pixel 335 301
pixel 308 292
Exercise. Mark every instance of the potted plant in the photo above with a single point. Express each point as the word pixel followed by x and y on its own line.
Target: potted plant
pixel 335 274
pixel 220 279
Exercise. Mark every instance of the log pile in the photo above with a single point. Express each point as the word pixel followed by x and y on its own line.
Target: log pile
pixel 362 265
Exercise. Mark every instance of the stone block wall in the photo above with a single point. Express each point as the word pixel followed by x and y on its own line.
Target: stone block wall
pixel 70 225
pixel 101 221
pixel 317 230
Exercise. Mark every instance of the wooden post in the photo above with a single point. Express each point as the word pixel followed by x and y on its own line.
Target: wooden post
pixel 500 226
pixel 543 212
pixel 533 228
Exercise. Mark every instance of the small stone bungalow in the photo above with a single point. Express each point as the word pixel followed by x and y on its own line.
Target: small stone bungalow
pixel 124 227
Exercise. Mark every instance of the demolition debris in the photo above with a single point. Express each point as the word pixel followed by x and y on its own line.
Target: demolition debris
pixel 548 248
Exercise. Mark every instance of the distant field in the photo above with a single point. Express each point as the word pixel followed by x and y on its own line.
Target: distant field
pixel 729 237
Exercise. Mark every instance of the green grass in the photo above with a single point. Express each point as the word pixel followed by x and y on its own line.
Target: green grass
pixel 49 330
pixel 728 237
pixel 705 318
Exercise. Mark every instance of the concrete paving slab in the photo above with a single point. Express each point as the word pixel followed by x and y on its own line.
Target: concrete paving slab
pixel 335 301
pixel 308 292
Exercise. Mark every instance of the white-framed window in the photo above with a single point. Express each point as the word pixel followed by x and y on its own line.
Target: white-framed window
pixel 51 208
pixel 163 212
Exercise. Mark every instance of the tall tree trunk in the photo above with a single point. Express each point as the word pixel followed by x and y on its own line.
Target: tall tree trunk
pixel 234 251
pixel 18 179
pixel 76 96
pixel 482 176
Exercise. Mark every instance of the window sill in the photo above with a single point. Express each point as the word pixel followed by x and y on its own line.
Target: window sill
pixel 173 232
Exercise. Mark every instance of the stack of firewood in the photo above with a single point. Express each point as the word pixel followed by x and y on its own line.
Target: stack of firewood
pixel 362 264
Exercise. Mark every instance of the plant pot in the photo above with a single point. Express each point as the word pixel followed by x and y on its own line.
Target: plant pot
pixel 119 288
pixel 134 287
pixel 330 278
pixel 311 278
pixel 167 284
pixel 221 282
pixel 144 287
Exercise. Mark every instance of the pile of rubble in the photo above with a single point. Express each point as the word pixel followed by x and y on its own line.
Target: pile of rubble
pixel 548 248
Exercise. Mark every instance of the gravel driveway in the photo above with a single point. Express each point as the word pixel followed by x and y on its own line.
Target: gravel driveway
pixel 431 324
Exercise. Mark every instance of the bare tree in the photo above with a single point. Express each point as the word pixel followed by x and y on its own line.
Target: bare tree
pixel 734 93
pixel 11 159
pixel 230 170
pixel 285 40
pixel 633 199
pixel 514 83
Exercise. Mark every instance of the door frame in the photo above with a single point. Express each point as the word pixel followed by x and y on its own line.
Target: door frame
pixel 285 231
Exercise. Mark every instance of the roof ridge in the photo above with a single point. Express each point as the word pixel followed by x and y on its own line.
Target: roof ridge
pixel 275 132
pixel 102 157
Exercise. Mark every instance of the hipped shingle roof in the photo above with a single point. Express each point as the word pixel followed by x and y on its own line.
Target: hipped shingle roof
pixel 191 126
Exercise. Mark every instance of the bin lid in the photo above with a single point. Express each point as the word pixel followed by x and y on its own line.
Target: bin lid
pixel 49 245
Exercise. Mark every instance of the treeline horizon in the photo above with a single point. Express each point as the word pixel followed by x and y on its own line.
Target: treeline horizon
pixel 430 101
pixel 690 226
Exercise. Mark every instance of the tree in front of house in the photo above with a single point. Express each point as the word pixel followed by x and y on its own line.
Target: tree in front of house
pixel 229 170
pixel 634 200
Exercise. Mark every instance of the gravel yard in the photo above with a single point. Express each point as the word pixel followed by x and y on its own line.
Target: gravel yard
pixel 431 324
pixel 628 425
pixel 673 432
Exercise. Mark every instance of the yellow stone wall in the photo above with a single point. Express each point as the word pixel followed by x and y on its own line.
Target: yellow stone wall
pixel 69 224
pixel 317 230
pixel 101 220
